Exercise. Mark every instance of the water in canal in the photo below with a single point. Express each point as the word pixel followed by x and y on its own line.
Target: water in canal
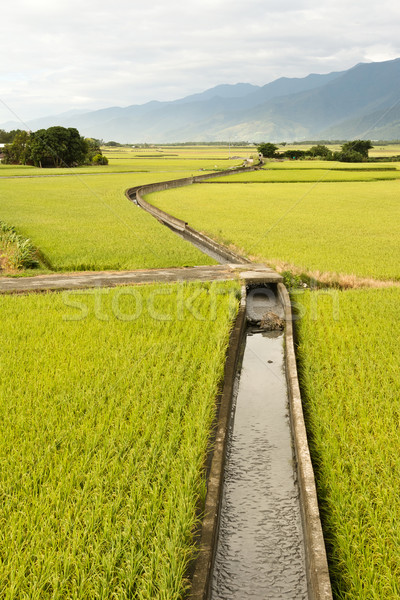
pixel 260 552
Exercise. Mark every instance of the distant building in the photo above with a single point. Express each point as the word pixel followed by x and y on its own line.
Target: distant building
pixel 1 152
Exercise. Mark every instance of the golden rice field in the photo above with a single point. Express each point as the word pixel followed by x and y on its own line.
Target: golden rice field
pixel 86 223
pixel 348 355
pixel 106 403
pixel 102 393
pixel 350 227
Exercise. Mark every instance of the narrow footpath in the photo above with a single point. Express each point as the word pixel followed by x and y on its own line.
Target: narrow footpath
pixel 91 279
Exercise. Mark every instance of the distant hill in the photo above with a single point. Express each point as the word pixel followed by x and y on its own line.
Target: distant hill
pixel 362 102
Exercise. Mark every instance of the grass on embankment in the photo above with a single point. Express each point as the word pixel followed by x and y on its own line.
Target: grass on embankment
pixel 104 427
pixel 351 228
pixel 87 223
pixel 349 360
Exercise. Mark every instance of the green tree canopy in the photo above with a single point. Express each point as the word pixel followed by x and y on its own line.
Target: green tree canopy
pixel 349 156
pixel 321 151
pixel 267 149
pixel 7 137
pixel 53 147
pixel 18 151
pixel 360 146
pixel 57 147
pixel 93 148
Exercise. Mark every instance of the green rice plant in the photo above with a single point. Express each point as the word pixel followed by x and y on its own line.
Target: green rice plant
pixel 348 228
pixel 19 253
pixel 107 399
pixel 87 223
pixel 349 357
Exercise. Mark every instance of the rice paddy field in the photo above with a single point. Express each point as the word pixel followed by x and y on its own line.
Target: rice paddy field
pixel 348 353
pixel 107 400
pixel 85 223
pixel 107 397
pixel 345 227
pixel 79 218
pixel 325 172
pixel 349 358
pixel 147 160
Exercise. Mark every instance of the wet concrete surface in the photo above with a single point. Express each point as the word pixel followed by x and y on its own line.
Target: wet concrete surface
pixel 260 550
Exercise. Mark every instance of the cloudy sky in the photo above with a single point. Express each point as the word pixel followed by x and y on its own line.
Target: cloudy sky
pixel 89 54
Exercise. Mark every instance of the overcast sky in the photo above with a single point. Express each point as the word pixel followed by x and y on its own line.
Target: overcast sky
pixel 89 54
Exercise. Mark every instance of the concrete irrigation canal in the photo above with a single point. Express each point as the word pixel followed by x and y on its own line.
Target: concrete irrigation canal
pixel 260 545
pixel 261 536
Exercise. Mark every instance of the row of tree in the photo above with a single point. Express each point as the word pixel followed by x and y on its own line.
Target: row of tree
pixel 354 151
pixel 53 147
pixel 6 137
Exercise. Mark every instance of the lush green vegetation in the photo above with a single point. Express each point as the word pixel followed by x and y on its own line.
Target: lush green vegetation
pixel 351 228
pixel 53 147
pixel 349 364
pixel 380 148
pixel 354 151
pixel 86 223
pixel 348 350
pixel 106 405
pixel 16 252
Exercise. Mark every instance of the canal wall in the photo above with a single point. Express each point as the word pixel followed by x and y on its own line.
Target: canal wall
pixel 136 194
pixel 318 581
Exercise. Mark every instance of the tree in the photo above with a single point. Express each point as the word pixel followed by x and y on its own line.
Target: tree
pixel 294 154
pixel 93 148
pixel 100 159
pixel 18 152
pixel 57 147
pixel 360 146
pixel 349 156
pixel 267 149
pixel 320 151
pixel 7 137
pixel 53 147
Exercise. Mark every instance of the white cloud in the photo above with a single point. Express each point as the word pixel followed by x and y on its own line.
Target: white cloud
pixel 92 54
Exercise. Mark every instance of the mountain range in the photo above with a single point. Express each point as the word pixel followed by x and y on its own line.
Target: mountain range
pixel 362 102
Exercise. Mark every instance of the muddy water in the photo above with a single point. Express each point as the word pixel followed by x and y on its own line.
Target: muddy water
pixel 260 552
